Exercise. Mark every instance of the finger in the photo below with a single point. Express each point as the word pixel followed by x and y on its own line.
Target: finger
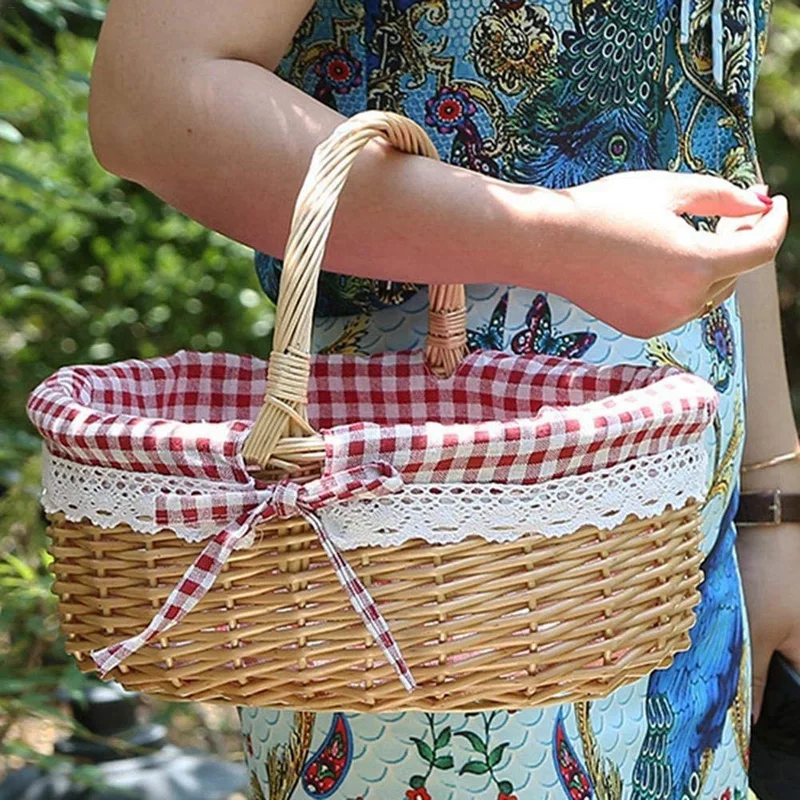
pixel 708 196
pixel 727 225
pixel 743 250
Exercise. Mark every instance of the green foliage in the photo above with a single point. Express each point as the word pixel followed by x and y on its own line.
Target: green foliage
pixel 33 663
pixel 95 269
pixel 92 269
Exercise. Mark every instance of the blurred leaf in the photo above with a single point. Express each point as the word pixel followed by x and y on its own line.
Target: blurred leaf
pixel 11 268
pixel 19 567
pixel 66 305
pixel 87 8
pixel 48 12
pixel 9 133
pixel 21 176
pixel 25 73
pixel 16 62
pixel 79 77
pixel 18 205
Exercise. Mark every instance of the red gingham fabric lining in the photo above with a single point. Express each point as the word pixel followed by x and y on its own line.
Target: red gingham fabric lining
pixel 183 415
pixel 604 416
pixel 502 417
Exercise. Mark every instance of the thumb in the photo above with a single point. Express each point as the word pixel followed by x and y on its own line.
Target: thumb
pixel 708 196
pixel 762 655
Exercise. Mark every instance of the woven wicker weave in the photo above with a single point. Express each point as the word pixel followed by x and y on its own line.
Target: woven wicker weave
pixel 482 625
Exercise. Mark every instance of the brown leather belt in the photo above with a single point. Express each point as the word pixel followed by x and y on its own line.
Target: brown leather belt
pixel 768 508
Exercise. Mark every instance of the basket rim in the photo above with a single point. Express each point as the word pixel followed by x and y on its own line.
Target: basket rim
pixel 80 410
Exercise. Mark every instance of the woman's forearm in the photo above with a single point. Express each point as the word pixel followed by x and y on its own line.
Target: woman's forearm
pixel 770 426
pixel 228 143
pixel 768 554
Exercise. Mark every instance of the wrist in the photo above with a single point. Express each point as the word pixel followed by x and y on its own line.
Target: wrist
pixel 541 223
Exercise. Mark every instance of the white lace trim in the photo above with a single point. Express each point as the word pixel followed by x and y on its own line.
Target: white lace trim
pixel 447 513
pixel 109 497
pixel 438 513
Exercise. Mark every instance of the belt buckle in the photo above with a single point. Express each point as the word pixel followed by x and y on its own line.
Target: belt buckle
pixel 777 507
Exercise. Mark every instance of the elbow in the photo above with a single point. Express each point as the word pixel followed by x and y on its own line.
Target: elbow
pixel 111 127
pixel 136 125
pixel 124 103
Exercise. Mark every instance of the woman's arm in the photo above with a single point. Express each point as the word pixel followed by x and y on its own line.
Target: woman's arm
pixel 769 555
pixel 184 101
pixel 770 419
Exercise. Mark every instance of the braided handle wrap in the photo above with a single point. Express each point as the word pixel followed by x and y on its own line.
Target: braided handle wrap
pixel 285 401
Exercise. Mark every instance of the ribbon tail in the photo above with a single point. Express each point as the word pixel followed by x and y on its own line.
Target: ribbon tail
pixel 364 605
pixel 191 589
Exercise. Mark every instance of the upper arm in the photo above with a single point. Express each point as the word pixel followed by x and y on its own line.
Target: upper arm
pixel 149 51
pixel 259 31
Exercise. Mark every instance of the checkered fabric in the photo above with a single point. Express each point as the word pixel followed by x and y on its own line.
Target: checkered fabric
pixel 386 420
pixel 556 442
pixel 284 500
pixel 397 388
pixel 502 417
pixel 188 414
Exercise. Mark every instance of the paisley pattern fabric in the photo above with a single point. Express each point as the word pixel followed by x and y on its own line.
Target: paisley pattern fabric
pixel 555 93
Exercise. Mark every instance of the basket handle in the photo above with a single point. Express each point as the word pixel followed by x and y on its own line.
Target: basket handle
pixel 285 401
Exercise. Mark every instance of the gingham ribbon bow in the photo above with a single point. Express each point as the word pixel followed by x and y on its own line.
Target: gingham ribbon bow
pixel 283 501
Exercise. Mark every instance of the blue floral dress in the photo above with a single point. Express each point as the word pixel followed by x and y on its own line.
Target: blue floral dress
pixel 554 93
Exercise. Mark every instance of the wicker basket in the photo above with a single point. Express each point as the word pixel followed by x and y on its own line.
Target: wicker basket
pixel 482 624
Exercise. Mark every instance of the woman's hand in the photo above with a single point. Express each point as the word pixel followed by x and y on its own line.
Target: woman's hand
pixel 630 258
pixel 769 560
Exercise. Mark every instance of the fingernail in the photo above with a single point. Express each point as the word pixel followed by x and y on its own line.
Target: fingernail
pixel 765 199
